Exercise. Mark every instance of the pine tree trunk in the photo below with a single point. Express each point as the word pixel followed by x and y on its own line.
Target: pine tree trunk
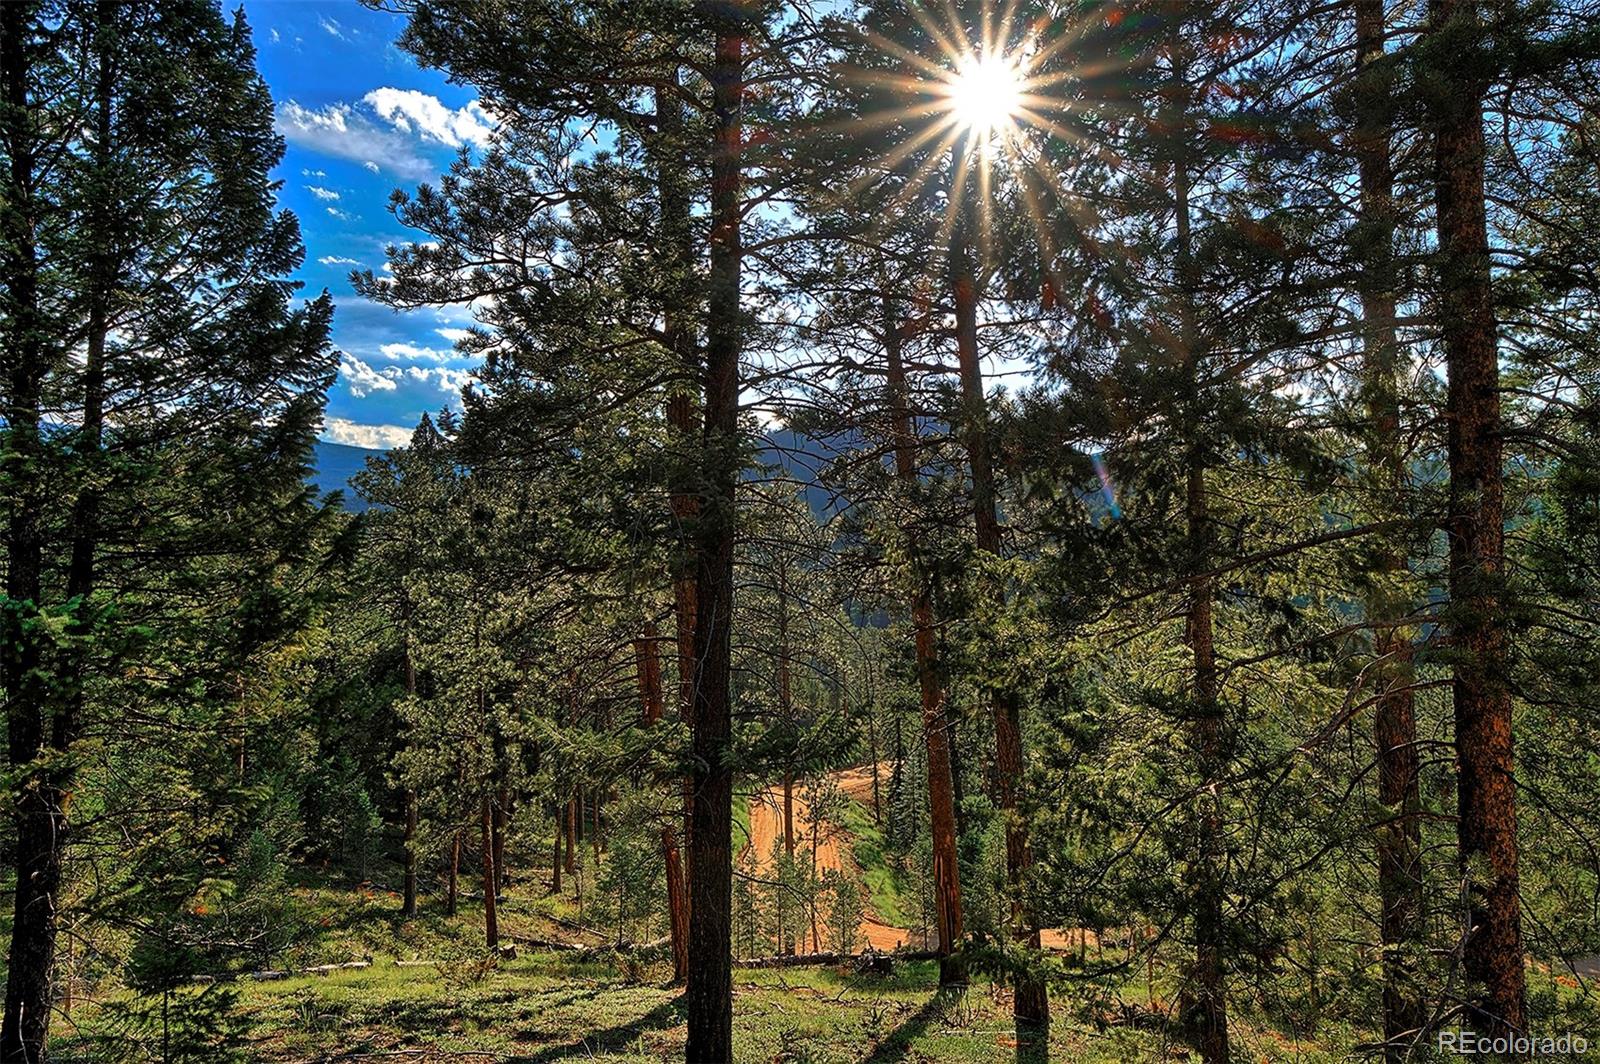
pixel 652 701
pixel 941 789
pixel 37 807
pixel 571 826
pixel 679 330
pixel 785 705
pixel 1208 1012
pixel 499 797
pixel 1209 1017
pixel 1486 823
pixel 558 819
pixel 952 731
pixel 708 998
pixel 872 747
pixel 1399 836
pixel 408 905
pixel 502 825
pixel 452 888
pixel 816 938
pixel 788 813
pixel 1031 1000
pixel 491 923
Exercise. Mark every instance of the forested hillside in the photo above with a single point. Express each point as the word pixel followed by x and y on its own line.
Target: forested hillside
pixel 989 530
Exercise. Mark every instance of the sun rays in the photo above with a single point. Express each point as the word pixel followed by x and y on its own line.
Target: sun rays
pixel 975 110
pixel 985 94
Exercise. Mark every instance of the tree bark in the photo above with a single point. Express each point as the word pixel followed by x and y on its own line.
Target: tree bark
pixel 491 923
pixel 571 825
pixel 785 704
pixel 1031 999
pixel 502 826
pixel 872 746
pixel 1399 835
pixel 1209 1018
pixel 408 904
pixel 1208 1013
pixel 651 699
pixel 452 889
pixel 681 299
pixel 1486 824
pixel 941 790
pixel 39 817
pixel 559 820
pixel 708 997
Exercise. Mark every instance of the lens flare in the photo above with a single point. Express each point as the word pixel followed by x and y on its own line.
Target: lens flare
pixel 986 93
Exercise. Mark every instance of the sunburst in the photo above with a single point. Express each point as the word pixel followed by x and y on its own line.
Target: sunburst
pixel 981 99
pixel 985 93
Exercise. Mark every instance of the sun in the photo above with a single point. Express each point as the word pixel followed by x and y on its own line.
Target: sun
pixel 985 93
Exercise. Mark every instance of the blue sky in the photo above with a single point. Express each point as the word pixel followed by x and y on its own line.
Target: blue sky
pixel 360 119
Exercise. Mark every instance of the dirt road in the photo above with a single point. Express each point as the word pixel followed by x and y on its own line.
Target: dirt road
pixel 833 850
pixel 831 845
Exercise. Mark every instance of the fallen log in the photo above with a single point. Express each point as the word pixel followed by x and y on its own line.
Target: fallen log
pixel 579 948
pixel 544 943
pixel 868 960
pixel 269 975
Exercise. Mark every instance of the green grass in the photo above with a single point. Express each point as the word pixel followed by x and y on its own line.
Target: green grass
pixel 461 1004
pixel 883 881
pixel 741 822
pixel 547 1008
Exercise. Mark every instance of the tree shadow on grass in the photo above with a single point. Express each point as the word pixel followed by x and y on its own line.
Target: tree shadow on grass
pixel 897 1046
pixel 610 1040
pixel 1033 1046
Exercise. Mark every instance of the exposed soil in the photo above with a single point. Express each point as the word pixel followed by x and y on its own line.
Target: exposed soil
pixel 833 847
pixel 831 843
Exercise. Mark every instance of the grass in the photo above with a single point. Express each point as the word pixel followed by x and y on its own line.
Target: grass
pixel 433 993
pixel 547 1008
pixel 883 881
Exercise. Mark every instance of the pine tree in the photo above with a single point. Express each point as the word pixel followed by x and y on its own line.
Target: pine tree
pixel 168 318
pixel 1486 789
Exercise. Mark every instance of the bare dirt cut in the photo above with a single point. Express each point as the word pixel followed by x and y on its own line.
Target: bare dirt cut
pixel 835 849
pixel 833 845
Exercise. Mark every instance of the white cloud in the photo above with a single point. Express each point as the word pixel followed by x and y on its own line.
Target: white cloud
pixel 455 336
pixel 449 380
pixel 313 173
pixel 327 195
pixel 332 27
pixel 403 352
pixel 417 112
pixel 338 260
pixel 370 165
pixel 275 37
pixel 337 213
pixel 375 437
pixel 338 130
pixel 363 380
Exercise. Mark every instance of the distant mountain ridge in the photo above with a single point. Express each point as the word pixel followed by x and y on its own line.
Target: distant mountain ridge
pixel 799 457
pixel 333 464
